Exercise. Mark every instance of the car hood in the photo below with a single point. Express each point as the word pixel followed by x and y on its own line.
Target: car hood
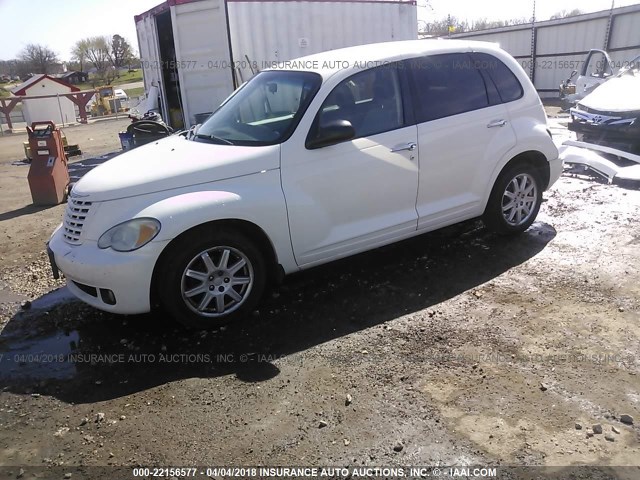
pixel 170 163
pixel 620 94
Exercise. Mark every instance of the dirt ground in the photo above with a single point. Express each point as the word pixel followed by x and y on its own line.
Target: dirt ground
pixel 455 348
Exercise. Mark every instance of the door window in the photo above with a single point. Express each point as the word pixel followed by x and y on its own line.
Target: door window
pixel 503 78
pixel 446 85
pixel 371 100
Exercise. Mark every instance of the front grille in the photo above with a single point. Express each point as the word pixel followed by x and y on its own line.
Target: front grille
pixel 74 219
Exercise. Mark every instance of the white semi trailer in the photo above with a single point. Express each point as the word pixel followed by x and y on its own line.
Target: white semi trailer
pixel 196 52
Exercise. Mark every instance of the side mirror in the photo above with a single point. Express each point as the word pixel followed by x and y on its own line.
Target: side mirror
pixel 331 133
pixel 573 74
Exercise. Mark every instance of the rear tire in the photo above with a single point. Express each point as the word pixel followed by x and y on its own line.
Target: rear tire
pixel 515 200
pixel 211 278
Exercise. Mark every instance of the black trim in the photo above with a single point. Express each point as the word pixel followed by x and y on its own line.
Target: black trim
pixel 408 105
pixel 89 290
pixel 52 261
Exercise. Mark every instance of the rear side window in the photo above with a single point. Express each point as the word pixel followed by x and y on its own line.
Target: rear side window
pixel 508 86
pixel 446 85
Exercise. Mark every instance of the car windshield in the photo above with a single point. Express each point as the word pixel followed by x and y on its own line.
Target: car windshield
pixel 265 111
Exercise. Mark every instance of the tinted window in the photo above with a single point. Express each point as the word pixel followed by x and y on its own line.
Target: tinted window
pixel 446 85
pixel 508 86
pixel 370 100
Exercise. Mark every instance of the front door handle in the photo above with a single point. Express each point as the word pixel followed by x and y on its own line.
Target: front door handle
pixel 409 146
pixel 497 123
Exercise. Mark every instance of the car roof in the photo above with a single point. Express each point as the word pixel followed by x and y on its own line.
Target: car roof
pixel 366 56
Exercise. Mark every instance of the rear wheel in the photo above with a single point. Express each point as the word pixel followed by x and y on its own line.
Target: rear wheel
pixel 212 278
pixel 515 200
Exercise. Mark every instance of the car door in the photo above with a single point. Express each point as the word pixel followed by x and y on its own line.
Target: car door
pixel 596 70
pixel 462 133
pixel 359 193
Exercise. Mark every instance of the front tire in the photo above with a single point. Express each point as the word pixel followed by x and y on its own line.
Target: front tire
pixel 515 200
pixel 212 278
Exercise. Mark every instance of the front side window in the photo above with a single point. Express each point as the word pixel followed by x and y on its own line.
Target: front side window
pixel 265 111
pixel 370 100
pixel 446 85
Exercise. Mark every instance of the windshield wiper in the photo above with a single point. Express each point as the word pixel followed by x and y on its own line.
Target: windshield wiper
pixel 214 138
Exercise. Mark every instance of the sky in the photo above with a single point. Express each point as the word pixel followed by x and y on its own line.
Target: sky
pixel 60 23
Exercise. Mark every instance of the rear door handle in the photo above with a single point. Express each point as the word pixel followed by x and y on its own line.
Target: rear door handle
pixel 409 146
pixel 497 123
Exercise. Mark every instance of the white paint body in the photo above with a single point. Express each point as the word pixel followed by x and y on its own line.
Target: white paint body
pixel 314 206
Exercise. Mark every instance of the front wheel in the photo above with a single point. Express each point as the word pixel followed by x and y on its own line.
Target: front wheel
pixel 515 200
pixel 210 279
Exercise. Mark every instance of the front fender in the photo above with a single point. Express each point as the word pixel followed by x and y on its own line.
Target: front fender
pixel 255 198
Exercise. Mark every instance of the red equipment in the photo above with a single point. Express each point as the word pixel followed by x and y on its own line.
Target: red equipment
pixel 48 176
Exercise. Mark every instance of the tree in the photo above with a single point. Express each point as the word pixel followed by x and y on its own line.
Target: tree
pixel 98 52
pixel 121 53
pixel 565 14
pixel 39 57
pixel 79 53
pixel 484 24
pixel 451 24
pixel 445 26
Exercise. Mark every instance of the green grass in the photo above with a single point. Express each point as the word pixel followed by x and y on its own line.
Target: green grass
pixel 128 77
pixel 4 93
pixel 125 77
pixel 135 92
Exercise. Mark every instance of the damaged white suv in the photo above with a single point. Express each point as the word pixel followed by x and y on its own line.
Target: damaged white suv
pixel 321 158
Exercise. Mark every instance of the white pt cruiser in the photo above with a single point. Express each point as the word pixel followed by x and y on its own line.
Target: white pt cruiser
pixel 319 159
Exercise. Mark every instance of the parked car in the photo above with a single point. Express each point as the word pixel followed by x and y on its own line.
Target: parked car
pixel 610 115
pixel 120 94
pixel 318 159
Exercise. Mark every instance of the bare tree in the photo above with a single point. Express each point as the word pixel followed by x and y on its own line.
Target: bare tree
pixel 97 51
pixel 39 57
pixel 565 14
pixel 445 26
pixel 79 53
pixel 484 24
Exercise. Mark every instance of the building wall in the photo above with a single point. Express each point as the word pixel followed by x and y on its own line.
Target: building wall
pixel 48 109
pixel 550 50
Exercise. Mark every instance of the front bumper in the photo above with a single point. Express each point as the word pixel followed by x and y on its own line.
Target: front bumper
pixel 620 130
pixel 92 273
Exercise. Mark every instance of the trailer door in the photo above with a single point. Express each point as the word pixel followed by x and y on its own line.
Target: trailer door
pixel 150 55
pixel 202 56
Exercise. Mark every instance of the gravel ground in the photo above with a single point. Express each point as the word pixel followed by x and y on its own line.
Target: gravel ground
pixel 455 348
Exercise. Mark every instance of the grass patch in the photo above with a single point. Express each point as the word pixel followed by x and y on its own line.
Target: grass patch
pixel 134 92
pixel 125 77
pixel 128 77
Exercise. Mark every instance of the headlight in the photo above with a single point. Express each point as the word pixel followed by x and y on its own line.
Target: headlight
pixel 130 235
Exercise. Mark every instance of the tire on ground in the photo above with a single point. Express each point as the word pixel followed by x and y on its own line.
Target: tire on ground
pixel 494 217
pixel 173 282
